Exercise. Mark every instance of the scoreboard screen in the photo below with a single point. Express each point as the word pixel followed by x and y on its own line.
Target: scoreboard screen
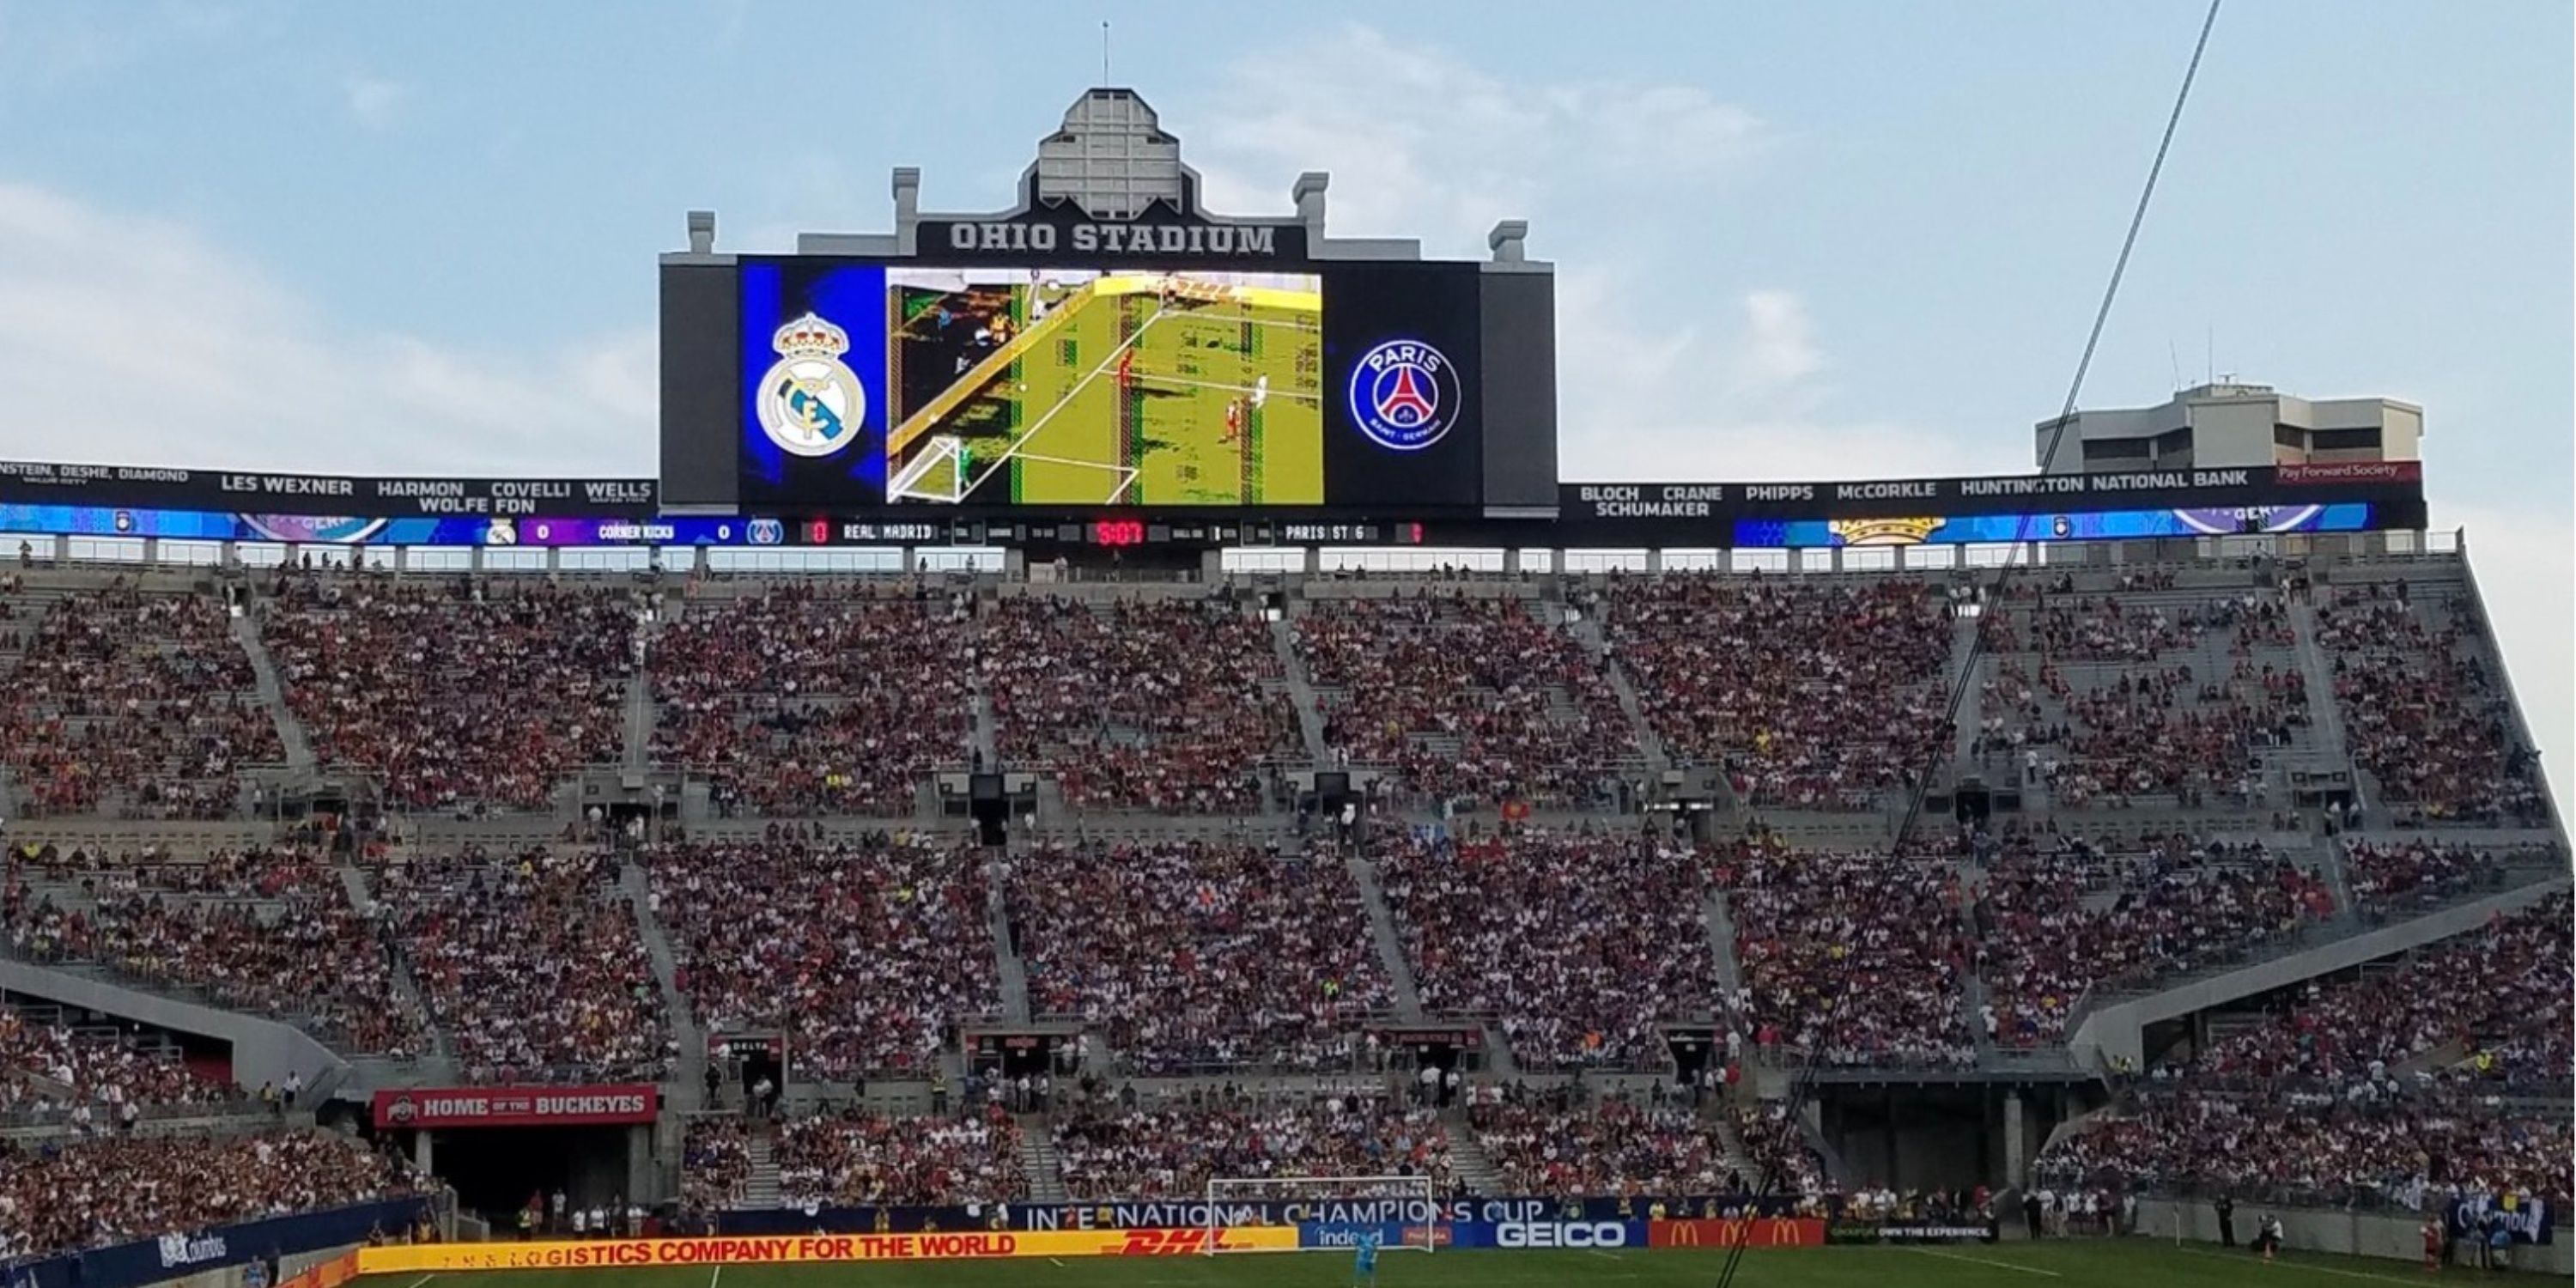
pixel 867 383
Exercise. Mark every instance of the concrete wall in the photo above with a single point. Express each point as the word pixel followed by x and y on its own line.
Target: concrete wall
pixel 263 1050
pixel 2361 1234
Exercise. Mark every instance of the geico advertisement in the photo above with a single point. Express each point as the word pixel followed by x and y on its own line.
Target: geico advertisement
pixel 847 1247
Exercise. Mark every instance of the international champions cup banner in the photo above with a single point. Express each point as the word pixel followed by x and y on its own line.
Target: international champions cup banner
pixel 431 1258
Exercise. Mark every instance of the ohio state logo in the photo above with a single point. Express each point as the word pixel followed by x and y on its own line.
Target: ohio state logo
pixel 1404 395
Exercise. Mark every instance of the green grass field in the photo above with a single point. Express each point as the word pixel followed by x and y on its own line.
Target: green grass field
pixel 2073 1264
pixel 1060 427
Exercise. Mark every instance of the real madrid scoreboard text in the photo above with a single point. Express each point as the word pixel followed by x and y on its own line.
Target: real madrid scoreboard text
pixel 837 385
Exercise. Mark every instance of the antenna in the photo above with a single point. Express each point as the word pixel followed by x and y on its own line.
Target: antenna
pixel 1104 53
pixel 2174 357
pixel 2209 373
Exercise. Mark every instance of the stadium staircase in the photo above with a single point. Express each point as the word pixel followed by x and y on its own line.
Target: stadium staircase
pixel 1390 948
pixel 1301 691
pixel 1587 633
pixel 692 1074
pixel 1038 1161
pixel 760 1184
pixel 1732 1155
pixel 442 1052
pixel 1717 915
pixel 988 742
pixel 1963 642
pixel 272 695
pixel 1013 972
pixel 1467 1155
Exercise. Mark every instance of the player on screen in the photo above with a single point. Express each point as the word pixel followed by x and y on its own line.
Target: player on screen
pixel 1364 1259
pixel 1233 420
pixel 1260 390
pixel 1127 369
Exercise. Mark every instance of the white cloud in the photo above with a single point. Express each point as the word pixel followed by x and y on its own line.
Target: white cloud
pixel 1654 382
pixel 128 340
pixel 373 100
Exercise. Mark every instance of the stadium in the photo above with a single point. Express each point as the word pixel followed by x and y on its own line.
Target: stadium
pixel 1108 736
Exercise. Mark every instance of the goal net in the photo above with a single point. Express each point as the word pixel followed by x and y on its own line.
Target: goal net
pixel 1404 1211
pixel 936 473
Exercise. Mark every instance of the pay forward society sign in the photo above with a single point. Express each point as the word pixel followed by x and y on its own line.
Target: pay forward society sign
pixel 574 1106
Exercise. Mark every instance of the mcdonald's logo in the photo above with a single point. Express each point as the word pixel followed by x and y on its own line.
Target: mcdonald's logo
pixel 1753 1232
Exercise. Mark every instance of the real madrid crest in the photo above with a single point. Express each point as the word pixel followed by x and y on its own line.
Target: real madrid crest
pixel 810 402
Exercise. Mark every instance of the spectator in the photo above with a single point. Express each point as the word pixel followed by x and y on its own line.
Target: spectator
pixel 60 1197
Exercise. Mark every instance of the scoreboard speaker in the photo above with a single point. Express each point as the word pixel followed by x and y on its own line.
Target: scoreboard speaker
pixel 986 804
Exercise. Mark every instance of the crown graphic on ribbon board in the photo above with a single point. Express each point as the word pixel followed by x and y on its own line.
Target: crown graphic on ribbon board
pixel 811 337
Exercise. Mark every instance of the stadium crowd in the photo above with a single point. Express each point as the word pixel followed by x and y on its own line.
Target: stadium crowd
pixel 806 700
pixel 1161 705
pixel 1197 956
pixel 532 963
pixel 863 952
pixel 854 1158
pixel 1582 945
pixel 1858 958
pixel 2056 921
pixel 129 702
pixel 2422 709
pixel 2389 877
pixel 1831 721
pixel 454 694
pixel 291 945
pixel 108 1074
pixel 2495 1001
pixel 1466 699
pixel 1170 1152
pixel 1540 1146
pixel 58 1196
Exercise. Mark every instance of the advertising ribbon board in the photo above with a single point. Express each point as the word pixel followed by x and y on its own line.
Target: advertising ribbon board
pixel 786 1249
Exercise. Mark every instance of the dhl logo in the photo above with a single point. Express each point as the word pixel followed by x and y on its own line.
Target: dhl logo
pixel 1172 1243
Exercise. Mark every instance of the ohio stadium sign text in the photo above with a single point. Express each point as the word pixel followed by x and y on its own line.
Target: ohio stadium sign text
pixel 576 1106
pixel 1242 240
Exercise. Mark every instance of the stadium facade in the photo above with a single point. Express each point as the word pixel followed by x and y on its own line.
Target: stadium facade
pixel 1098 467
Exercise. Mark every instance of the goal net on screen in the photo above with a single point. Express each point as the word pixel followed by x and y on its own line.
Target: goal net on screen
pixel 1404 1211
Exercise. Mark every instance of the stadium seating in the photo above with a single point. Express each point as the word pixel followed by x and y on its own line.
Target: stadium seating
pixel 1171 1152
pixel 2417 682
pixel 1815 695
pixel 1466 699
pixel 1581 946
pixel 2106 701
pixel 1616 1148
pixel 2056 923
pixel 855 1158
pixel 129 703
pixel 532 964
pixel 862 953
pixel 1194 957
pixel 1850 959
pixel 454 694
pixel 58 1196
pixel 1169 706
pixel 269 930
pixel 805 700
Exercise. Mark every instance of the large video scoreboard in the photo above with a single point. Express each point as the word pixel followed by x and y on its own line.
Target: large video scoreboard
pixel 1107 346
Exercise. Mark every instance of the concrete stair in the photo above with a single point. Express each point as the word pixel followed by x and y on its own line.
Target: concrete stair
pixel 760 1187
pixel 441 1049
pixel 1587 633
pixel 1390 948
pixel 636 885
pixel 1301 691
pixel 1038 1160
pixel 272 694
pixel 1014 972
pixel 1467 1155
pixel 1717 915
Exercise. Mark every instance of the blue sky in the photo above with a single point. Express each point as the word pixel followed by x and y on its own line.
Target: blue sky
pixel 1826 238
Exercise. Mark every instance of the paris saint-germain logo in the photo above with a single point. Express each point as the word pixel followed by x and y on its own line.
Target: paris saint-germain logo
pixel 810 403
pixel 1404 395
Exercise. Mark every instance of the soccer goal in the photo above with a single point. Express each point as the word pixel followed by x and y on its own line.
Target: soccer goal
pixel 936 473
pixel 1404 1209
